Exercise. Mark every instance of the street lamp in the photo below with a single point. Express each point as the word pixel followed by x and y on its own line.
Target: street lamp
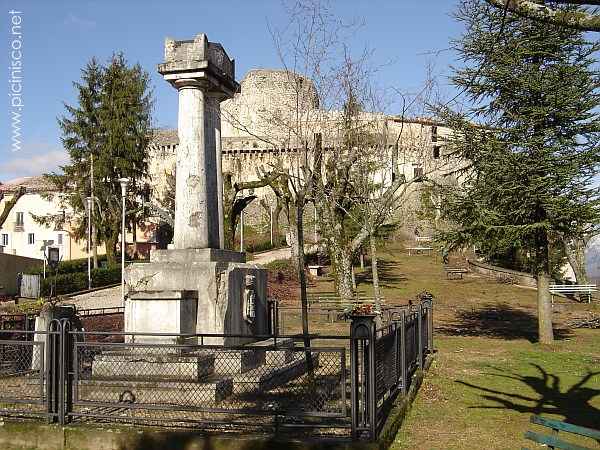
pixel 124 183
pixel 88 204
pixel 53 260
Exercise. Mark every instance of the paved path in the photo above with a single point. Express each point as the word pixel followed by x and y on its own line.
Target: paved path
pixel 104 298
pixel 272 255
pixel 111 297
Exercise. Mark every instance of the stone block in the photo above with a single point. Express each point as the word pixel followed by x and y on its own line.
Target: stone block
pixel 200 394
pixel 160 312
pixel 196 255
pixel 229 362
pixel 220 288
pixel 131 365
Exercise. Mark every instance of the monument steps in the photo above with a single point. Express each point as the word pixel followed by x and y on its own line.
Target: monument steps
pixel 266 377
pixel 134 365
pixel 155 392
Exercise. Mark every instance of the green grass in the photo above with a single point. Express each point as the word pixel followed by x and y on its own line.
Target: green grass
pixel 490 375
pixel 480 392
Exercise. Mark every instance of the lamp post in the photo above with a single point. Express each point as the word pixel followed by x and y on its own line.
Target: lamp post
pixel 53 260
pixel 271 221
pixel 88 204
pixel 124 183
pixel 242 231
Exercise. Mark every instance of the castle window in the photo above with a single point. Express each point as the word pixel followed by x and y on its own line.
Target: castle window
pixel 20 218
pixel 436 152
pixel 31 238
pixel 434 133
pixel 417 172
pixel 5 240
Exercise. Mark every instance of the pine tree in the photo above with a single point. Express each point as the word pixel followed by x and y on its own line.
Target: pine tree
pixel 531 138
pixel 112 125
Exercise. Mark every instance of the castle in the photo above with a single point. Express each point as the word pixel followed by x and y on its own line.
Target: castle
pixel 254 133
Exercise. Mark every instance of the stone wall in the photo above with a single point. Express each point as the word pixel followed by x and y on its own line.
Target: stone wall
pixel 502 274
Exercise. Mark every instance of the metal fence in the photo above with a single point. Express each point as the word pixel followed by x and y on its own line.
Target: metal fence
pixel 336 386
pixel 383 362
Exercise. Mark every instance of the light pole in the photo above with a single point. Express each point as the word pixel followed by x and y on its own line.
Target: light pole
pixel 316 229
pixel 242 231
pixel 88 203
pixel 124 183
pixel 271 217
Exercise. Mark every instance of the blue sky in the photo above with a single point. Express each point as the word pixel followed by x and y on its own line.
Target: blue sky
pixel 59 37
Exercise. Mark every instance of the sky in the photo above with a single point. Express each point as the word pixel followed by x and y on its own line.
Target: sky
pixel 59 37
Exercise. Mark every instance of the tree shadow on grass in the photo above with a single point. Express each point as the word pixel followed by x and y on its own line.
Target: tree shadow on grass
pixel 497 321
pixel 574 403
pixel 388 272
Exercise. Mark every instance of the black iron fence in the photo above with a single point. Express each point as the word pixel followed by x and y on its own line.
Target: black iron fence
pixel 336 386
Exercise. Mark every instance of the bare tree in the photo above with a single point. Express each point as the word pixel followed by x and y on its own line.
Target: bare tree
pixel 10 204
pixel 235 201
pixel 569 17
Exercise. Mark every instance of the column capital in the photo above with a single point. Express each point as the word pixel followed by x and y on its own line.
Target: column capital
pixel 190 83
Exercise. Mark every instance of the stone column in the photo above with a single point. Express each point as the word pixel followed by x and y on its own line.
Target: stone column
pixel 196 221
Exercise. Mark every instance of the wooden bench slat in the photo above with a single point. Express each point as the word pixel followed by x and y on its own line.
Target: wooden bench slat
pixel 553 441
pixel 568 427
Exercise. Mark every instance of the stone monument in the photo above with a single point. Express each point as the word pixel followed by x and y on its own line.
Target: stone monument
pixel 197 287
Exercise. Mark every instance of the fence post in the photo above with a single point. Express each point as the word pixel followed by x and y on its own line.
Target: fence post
pixel 397 370
pixel 67 349
pixel 403 352
pixel 430 317
pixel 420 334
pixel 52 368
pixel 363 382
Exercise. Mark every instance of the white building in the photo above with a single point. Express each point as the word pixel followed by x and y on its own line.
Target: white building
pixel 21 234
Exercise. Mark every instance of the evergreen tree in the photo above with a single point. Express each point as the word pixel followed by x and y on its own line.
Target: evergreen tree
pixel 534 150
pixel 111 125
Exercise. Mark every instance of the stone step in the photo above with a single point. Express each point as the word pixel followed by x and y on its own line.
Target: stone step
pixel 191 367
pixel 231 362
pixel 272 342
pixel 276 357
pixel 154 392
pixel 267 377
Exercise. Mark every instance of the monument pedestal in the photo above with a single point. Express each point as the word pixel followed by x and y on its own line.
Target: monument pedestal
pixel 202 291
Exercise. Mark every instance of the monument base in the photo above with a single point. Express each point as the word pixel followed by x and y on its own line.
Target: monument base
pixel 202 291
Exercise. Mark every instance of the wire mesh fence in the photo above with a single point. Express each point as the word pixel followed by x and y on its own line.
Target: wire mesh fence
pixel 324 385
pixel 23 373
pixel 268 384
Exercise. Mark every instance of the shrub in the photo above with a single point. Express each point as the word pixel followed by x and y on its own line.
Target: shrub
pixel 283 268
pixel 67 283
pixel 261 246
pixel 64 267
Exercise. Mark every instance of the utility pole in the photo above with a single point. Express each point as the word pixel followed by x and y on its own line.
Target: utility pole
pixel 93 230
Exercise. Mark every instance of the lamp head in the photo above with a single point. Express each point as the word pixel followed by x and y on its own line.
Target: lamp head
pixel 124 183
pixel 53 257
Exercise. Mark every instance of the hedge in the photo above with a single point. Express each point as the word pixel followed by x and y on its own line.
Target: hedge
pixel 68 283
pixel 64 267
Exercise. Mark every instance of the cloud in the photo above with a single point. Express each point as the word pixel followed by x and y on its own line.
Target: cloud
pixel 79 22
pixel 30 165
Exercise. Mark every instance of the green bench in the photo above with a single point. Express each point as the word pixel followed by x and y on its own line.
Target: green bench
pixel 553 441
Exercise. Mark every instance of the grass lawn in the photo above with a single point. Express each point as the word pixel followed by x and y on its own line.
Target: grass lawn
pixel 490 375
